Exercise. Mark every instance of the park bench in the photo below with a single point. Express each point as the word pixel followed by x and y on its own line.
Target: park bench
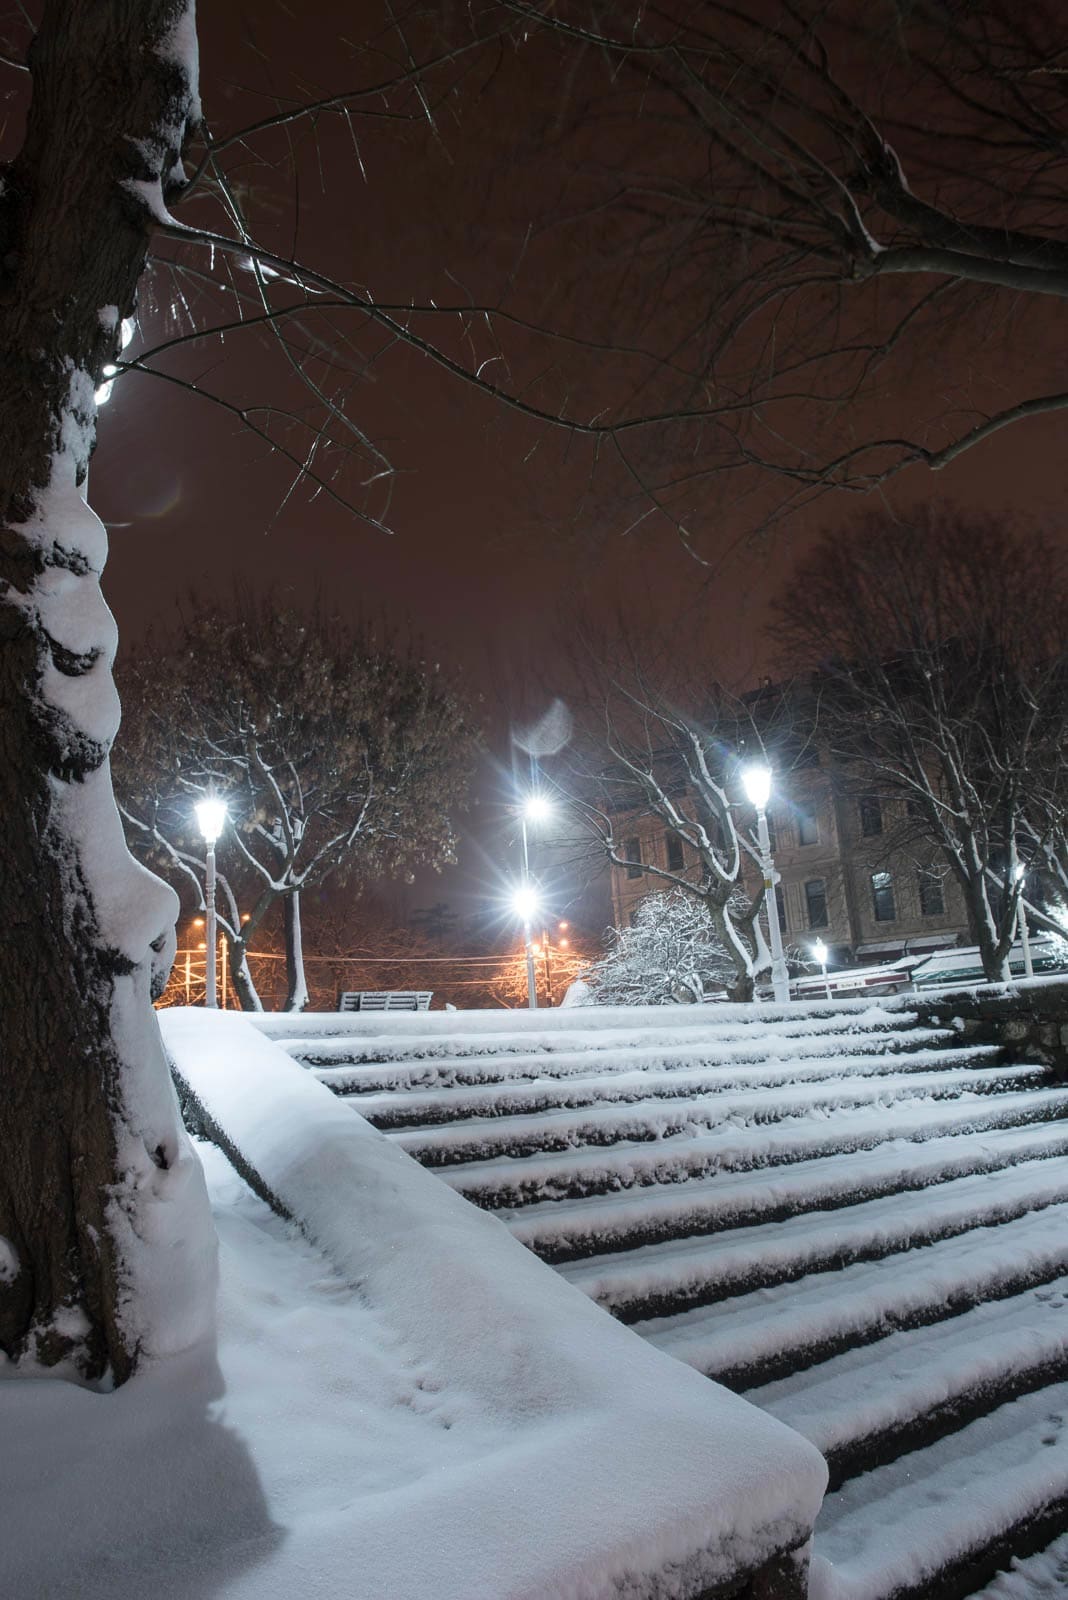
pixel 385 1000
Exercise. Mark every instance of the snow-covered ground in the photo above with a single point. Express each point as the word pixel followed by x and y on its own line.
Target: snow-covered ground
pixel 403 1403
pixel 319 1451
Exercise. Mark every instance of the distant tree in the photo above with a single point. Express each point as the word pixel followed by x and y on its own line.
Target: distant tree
pixel 663 740
pixel 940 650
pixel 669 955
pixel 341 755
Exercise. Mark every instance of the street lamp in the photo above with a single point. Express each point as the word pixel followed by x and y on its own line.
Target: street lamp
pixel 1021 922
pixel 211 819
pixel 535 808
pixel 526 903
pixel 819 950
pixel 757 783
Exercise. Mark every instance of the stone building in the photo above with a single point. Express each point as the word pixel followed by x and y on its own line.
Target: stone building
pixel 848 874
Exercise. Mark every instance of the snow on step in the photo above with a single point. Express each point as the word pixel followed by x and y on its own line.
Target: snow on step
pixel 506 1181
pixel 490 1032
pixel 559 1229
pixel 1040 1577
pixel 631 1283
pixel 479 1138
pixel 348 1068
pixel 909 1377
pixel 767 1333
pixel 897 1531
pixel 627 1081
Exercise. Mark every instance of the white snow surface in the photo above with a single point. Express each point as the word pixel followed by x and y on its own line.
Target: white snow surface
pixel 425 1409
pixel 1041 1577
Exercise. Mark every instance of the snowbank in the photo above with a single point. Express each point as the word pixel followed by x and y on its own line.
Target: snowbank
pixel 604 1467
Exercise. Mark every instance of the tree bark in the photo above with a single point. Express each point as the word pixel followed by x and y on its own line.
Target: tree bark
pixel 240 976
pixel 106 1248
pixel 297 995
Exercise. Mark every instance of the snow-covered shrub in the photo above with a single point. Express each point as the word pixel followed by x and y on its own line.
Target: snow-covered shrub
pixel 669 954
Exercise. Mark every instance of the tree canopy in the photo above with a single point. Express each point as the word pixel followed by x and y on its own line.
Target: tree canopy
pixel 340 753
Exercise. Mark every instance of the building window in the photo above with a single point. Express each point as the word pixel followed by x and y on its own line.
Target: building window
pixel 932 900
pixel 882 894
pixel 674 852
pixel 816 902
pixel 632 850
pixel 780 906
pixel 808 828
pixel 871 815
pixel 773 837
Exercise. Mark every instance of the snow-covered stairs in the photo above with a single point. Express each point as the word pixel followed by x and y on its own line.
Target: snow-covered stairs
pixel 856 1221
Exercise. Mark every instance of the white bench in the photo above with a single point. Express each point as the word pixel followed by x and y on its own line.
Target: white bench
pixel 385 1000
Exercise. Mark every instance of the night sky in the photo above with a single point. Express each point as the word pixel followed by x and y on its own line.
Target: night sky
pixel 493 553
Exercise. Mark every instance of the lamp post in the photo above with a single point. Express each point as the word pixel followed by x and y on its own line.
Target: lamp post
pixel 535 808
pixel 819 950
pixel 211 819
pixel 1021 922
pixel 757 782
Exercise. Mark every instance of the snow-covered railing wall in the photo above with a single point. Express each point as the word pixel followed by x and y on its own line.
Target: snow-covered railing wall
pixel 1030 1018
pixel 685 1491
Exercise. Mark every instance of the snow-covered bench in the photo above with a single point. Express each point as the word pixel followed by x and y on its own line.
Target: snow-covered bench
pixel 385 1000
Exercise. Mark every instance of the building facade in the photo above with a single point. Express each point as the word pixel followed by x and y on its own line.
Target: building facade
pixel 847 877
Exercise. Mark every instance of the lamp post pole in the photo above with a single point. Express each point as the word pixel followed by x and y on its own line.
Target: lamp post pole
pixel 210 997
pixel 757 782
pixel 211 816
pixel 532 981
pixel 1021 924
pixel 780 978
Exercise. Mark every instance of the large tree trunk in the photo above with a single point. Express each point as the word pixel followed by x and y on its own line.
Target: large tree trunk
pixel 297 996
pixel 106 1246
pixel 247 994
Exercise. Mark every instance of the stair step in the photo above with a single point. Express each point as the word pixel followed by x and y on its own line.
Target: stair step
pixel 619 1055
pixel 627 1082
pixel 408 1038
pixel 868 1406
pixel 569 1230
pixel 768 1334
pixel 660 1279
pixel 1038 1577
pixel 506 1182
pixel 940 1521
pixel 484 1138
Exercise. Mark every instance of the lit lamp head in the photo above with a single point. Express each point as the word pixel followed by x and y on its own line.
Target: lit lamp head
pixel 819 950
pixel 1021 872
pixel 211 817
pixel 757 784
pixel 536 808
pixel 526 903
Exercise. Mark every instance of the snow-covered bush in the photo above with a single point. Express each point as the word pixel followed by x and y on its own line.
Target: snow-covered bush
pixel 669 954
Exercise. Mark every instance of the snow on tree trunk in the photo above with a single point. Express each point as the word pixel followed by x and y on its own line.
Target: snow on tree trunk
pixel 297 993
pixel 241 978
pixel 107 1250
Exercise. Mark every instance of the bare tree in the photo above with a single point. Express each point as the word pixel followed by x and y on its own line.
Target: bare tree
pixel 96 1164
pixel 341 755
pixel 941 668
pixel 794 217
pixel 663 740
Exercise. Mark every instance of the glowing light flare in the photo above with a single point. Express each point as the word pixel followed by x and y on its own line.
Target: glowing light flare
pixel 526 902
pixel 819 950
pixel 537 808
pixel 211 817
pixel 756 781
